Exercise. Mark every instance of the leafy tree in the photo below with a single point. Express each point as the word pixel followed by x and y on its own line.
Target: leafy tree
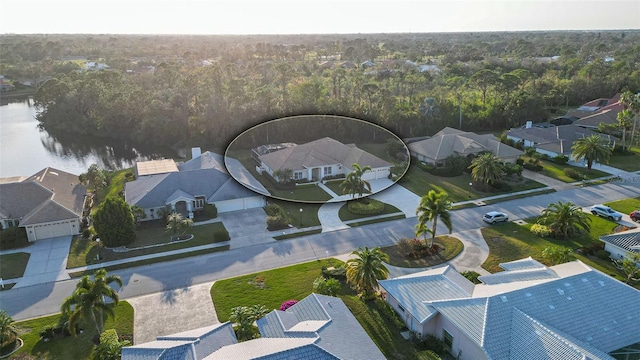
pixel 486 168
pixel 95 177
pixel 284 176
pixel 8 329
pixel 564 219
pixel 366 269
pixel 433 206
pixel 591 148
pixel 114 222
pixel 88 300
pixel 629 266
pixel 354 184
pixel 178 226
pixel 325 286
pixel 138 214
pixel 110 346
pixel 557 254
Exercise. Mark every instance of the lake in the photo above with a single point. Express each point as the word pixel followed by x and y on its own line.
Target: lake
pixel 26 149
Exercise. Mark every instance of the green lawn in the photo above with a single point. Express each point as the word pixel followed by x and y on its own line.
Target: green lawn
pixel 420 182
pixel 334 185
pixel 306 218
pixel 556 171
pixel 310 192
pixel 13 265
pixel 70 347
pixel 273 287
pixel 13 238
pixel 450 248
pixel 509 241
pixel 83 251
pixel 625 206
pixel 626 163
pixel 115 188
pixel 345 215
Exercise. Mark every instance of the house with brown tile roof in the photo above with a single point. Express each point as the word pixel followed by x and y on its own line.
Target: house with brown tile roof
pixel 449 141
pixel 322 158
pixel 48 204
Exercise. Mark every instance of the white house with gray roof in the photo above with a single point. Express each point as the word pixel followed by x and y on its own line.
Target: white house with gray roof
pixel 620 244
pixel 528 311
pixel 317 327
pixel 203 179
pixel 48 204
pixel 321 158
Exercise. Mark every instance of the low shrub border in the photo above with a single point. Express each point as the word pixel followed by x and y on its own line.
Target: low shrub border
pixel 366 206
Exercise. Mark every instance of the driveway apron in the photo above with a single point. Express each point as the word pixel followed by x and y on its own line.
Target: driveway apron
pixel 48 262
pixel 329 219
pixel 403 199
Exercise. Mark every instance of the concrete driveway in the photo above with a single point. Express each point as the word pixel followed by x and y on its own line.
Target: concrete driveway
pixel 401 198
pixel 48 262
pixel 246 227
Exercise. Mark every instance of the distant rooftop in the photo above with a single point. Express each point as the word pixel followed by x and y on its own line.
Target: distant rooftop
pixel 153 167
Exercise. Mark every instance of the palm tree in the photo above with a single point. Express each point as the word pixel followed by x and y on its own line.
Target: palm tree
pixel 486 168
pixel 8 329
pixel 631 102
pixel 423 229
pixel 625 118
pixel 244 317
pixel 366 269
pixel 591 148
pixel 88 300
pixel 354 184
pixel 564 219
pixel 433 206
pixel 176 225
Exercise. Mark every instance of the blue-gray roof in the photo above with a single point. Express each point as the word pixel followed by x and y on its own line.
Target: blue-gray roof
pixel 518 275
pixel 629 241
pixel 522 264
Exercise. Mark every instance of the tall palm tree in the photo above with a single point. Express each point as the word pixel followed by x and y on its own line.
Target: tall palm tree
pixel 631 102
pixel 625 119
pixel 177 225
pixel 434 206
pixel 591 148
pixel 88 300
pixel 564 219
pixel 354 184
pixel 486 168
pixel 8 329
pixel 366 269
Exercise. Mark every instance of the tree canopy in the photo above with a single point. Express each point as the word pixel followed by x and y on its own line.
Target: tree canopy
pixel 114 222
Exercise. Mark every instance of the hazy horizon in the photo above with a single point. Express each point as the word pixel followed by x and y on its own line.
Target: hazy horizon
pixel 199 17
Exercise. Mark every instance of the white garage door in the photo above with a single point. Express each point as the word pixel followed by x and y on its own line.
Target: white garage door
pixel 229 205
pixel 52 230
pixel 378 173
pixel 254 202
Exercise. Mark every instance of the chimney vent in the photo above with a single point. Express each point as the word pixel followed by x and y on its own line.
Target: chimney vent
pixel 195 152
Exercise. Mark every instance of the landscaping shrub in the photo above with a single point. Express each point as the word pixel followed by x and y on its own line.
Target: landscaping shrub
pixel 365 206
pixel 511 169
pixel 333 177
pixel 276 223
pixel 520 161
pixel 47 332
pixel 221 235
pixel 421 165
pixel 602 254
pixel 336 273
pixel 545 157
pixel 532 166
pixel 405 246
pixel 620 150
pixel 536 155
pixel 287 304
pixel 592 249
pixel 530 151
pixel 210 211
pixel 561 159
pixel 429 342
pixel 273 209
pixel 519 145
pixel 572 173
pixel 501 186
pixel 471 276
pixel 326 286
pixel 541 230
pixel 457 163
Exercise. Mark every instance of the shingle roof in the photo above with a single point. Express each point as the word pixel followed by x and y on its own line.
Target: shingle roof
pixel 49 195
pixel 449 141
pixel 325 151
pixel 206 160
pixel 606 115
pixel 272 349
pixel 630 240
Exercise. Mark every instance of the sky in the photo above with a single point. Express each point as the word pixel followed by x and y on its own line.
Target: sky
pixel 312 16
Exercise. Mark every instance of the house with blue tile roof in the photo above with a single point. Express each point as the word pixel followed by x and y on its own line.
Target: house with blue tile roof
pixel 318 327
pixel 528 311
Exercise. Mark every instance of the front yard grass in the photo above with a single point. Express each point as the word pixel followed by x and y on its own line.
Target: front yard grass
pixel 509 241
pixel 629 163
pixel 70 347
pixel 271 288
pixel 13 238
pixel 420 182
pixel 625 206
pixel 345 215
pixel 308 217
pixel 13 265
pixel 84 251
pixel 450 248
pixel 556 171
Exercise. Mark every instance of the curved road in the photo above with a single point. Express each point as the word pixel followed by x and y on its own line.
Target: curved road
pixel 33 301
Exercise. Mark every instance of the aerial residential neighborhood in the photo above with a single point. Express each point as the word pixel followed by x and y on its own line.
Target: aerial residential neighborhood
pixel 183 190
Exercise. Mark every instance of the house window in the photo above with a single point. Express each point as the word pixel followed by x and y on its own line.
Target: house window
pixel 401 308
pixel 10 223
pixel 327 170
pixel 297 175
pixel 447 338
pixel 199 203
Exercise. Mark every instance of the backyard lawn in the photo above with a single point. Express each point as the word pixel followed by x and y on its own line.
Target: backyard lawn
pixel 13 265
pixel 84 251
pixel 627 163
pixel 271 288
pixel 77 348
pixel 556 171
pixel 509 241
pixel 420 182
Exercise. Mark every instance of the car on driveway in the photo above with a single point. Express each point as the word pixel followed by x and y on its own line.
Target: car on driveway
pixel 635 215
pixel 494 217
pixel 606 212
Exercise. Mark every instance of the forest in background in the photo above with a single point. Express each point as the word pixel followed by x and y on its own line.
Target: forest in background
pixel 184 91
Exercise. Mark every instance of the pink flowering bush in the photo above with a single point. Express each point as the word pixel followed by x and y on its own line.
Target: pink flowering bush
pixel 287 304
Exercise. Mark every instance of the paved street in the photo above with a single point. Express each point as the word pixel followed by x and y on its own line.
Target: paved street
pixel 32 301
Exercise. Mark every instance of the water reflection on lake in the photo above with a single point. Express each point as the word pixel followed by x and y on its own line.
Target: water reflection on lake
pixel 26 149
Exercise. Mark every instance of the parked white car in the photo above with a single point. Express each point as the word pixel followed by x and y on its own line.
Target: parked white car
pixel 606 212
pixel 494 217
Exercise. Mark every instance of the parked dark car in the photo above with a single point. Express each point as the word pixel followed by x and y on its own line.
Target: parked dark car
pixel 635 215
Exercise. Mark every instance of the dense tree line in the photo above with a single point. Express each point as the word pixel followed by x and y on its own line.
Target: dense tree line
pixel 495 80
